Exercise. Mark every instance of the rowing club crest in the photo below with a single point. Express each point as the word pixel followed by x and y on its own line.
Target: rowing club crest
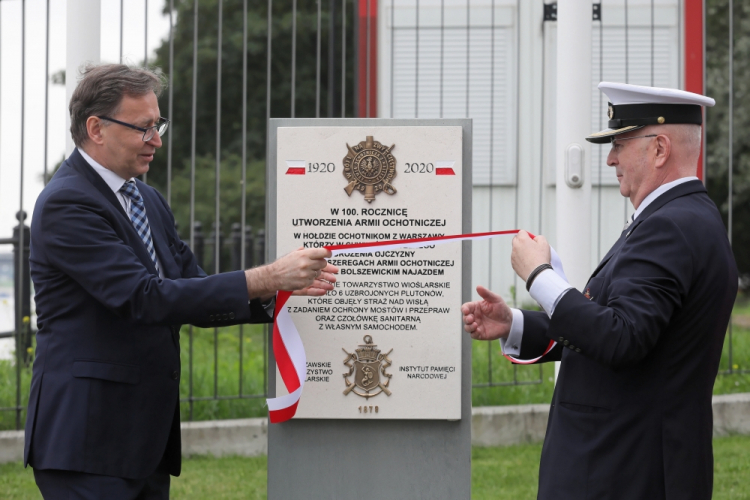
pixel 369 167
pixel 367 364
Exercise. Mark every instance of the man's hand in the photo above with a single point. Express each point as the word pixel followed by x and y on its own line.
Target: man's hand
pixel 304 271
pixel 322 284
pixel 528 254
pixel 487 319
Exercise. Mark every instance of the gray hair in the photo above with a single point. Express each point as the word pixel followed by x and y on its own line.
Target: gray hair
pixel 101 89
pixel 688 137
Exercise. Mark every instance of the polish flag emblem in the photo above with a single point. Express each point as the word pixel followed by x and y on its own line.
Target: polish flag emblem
pixel 295 167
pixel 444 168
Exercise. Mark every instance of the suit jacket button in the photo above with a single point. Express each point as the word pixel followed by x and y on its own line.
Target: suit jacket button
pixel 225 317
pixel 561 339
pixel 211 318
pixel 175 375
pixel 571 346
pixel 231 315
pixel 578 349
pixel 566 342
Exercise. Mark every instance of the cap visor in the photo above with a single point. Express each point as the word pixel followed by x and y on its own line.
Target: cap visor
pixel 605 136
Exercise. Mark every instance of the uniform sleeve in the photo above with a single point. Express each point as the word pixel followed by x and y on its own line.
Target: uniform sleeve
pixel 535 339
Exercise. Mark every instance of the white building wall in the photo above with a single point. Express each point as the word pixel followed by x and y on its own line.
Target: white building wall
pixel 511 97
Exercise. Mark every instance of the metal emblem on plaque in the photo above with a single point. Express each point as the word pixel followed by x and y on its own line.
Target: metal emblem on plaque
pixel 367 364
pixel 369 167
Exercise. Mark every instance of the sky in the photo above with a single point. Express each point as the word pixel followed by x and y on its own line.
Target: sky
pixel 134 45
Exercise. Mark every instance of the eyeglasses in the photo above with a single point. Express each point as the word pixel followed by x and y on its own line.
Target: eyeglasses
pixel 614 140
pixel 149 132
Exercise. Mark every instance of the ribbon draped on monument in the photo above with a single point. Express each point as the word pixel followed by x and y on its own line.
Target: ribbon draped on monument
pixel 287 344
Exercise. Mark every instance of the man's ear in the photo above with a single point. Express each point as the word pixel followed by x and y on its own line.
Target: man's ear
pixel 94 128
pixel 663 150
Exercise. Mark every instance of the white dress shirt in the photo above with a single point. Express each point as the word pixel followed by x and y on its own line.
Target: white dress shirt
pixel 548 287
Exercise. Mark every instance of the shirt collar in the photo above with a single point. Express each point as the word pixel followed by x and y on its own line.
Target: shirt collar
pixel 112 180
pixel 660 191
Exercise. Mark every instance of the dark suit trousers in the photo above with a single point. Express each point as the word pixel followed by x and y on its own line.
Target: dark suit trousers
pixel 72 485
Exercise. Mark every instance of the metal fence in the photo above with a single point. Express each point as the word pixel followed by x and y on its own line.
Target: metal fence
pixel 341 82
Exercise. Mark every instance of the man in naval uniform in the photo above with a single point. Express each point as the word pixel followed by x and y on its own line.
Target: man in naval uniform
pixel 640 345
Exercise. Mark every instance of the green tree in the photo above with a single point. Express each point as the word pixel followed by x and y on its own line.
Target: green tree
pixel 231 138
pixel 717 119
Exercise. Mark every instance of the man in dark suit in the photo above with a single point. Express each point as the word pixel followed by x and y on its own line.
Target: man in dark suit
pixel 640 347
pixel 113 284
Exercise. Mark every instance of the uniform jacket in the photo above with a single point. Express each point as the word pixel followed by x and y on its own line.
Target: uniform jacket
pixel 105 385
pixel 640 347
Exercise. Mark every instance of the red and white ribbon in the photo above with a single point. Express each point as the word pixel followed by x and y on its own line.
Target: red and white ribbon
pixel 287 344
pixel 290 360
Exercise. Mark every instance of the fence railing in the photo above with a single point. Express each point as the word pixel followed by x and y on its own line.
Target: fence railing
pixel 220 364
pixel 235 249
pixel 22 331
pixel 435 69
pixel 230 363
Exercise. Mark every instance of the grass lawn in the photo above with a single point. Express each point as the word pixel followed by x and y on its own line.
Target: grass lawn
pixel 496 473
pixel 217 372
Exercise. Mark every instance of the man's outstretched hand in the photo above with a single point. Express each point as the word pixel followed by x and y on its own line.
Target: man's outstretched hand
pixel 489 318
pixel 322 284
pixel 303 271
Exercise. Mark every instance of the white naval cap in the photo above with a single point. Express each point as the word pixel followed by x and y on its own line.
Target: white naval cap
pixel 634 106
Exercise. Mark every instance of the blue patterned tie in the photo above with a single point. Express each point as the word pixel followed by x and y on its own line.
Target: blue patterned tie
pixel 139 219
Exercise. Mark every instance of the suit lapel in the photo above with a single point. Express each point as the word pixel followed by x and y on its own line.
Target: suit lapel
pixel 687 188
pixel 612 251
pixel 87 171
pixel 80 165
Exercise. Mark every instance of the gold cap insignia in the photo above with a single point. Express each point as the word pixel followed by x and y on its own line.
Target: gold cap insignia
pixel 610 112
